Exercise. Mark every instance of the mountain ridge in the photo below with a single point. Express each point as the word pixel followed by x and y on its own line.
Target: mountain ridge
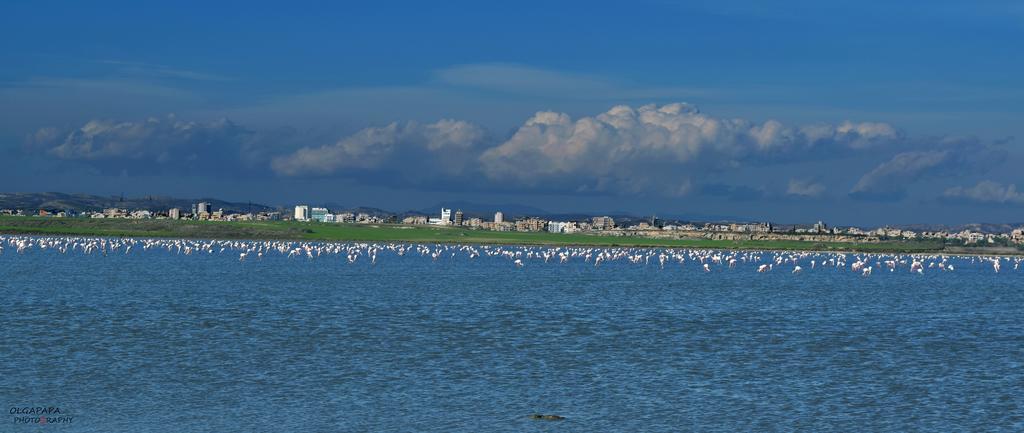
pixel 79 202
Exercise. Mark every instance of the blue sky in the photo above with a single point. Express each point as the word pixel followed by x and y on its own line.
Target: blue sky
pixel 853 112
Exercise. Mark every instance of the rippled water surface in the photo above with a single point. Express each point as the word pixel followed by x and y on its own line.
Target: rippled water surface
pixel 159 341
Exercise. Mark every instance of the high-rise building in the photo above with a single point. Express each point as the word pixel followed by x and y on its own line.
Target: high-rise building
pixel 302 213
pixel 499 218
pixel 174 213
pixel 204 207
pixel 458 217
pixel 603 223
pixel 446 216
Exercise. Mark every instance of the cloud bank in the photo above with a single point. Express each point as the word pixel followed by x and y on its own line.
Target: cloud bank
pixel 942 157
pixel 804 188
pixel 986 192
pixel 156 144
pixel 445 148
pixel 671 150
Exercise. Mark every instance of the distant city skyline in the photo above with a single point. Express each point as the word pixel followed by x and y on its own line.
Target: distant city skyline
pixel 1002 237
pixel 856 113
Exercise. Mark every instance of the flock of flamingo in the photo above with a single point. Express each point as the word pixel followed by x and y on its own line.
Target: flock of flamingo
pixel 794 262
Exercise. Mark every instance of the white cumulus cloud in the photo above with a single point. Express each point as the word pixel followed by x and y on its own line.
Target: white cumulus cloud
pixel 656 147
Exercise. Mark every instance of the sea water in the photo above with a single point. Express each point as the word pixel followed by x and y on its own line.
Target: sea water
pixel 160 341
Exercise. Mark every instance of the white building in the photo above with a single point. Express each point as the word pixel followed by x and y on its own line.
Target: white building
pixel 446 216
pixel 499 217
pixel 302 213
pixel 318 214
pixel 114 212
pixel 174 213
pixel 560 227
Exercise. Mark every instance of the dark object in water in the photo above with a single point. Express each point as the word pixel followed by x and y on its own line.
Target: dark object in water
pixel 547 417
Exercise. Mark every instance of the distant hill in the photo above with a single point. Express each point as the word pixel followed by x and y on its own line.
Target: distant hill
pixel 480 210
pixel 86 202
pixel 974 227
pixel 372 211
pixel 512 211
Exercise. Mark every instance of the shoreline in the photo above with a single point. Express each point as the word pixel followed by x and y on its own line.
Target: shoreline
pixel 322 232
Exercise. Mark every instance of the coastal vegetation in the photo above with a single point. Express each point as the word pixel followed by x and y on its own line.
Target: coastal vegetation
pixel 289 230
